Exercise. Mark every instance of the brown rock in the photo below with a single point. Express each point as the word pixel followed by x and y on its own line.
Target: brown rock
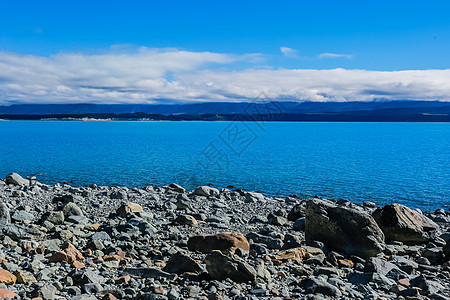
pixel 6 277
pixel 404 282
pixel 159 290
pixel 78 264
pixel 226 242
pixel 69 254
pixel 109 296
pixel 5 293
pixel 291 254
pixel 345 263
pixel 400 223
pixel 27 247
pixel 111 257
pixel 94 227
pixel 129 207
pixel 25 277
pixel 123 279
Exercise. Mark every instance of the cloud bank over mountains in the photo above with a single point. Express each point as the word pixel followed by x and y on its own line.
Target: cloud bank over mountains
pixel 177 76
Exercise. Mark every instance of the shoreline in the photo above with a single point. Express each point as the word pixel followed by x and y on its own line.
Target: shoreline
pixel 169 243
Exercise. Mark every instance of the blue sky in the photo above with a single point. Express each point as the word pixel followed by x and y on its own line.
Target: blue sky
pixel 246 37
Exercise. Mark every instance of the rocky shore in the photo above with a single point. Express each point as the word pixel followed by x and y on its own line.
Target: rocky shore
pixel 101 242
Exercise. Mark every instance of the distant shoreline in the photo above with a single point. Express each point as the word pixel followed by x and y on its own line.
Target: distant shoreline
pixel 361 116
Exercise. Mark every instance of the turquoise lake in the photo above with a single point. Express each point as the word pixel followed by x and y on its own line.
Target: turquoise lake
pixel 407 163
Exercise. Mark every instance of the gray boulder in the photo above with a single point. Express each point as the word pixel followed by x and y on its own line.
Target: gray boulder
pixel 298 211
pixel 206 191
pixel 177 188
pixel 180 263
pixel 270 242
pixel 314 285
pixel 400 223
pixel 71 209
pixel 446 249
pixel 5 217
pixel 254 197
pixel 16 179
pixel 299 224
pixel 343 228
pixel 148 273
pixel 120 195
pixel 220 267
pixel 56 217
pixel 22 215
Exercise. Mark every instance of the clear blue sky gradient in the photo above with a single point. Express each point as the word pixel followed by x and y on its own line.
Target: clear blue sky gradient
pixel 380 35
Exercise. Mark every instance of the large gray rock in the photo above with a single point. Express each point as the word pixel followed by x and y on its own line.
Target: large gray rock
pixel 148 273
pixel 384 268
pixel 22 216
pixel 314 285
pixel 18 232
pixel 223 241
pixel 180 263
pixel 71 209
pixel 16 179
pixel 5 217
pixel 254 197
pixel 400 223
pixel 342 228
pixel 270 242
pixel 298 211
pixel 220 267
pixel 447 249
pixel 206 191
pixel 177 188
pixel 56 217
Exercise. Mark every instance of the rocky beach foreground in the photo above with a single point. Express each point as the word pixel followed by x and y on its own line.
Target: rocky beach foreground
pixel 101 242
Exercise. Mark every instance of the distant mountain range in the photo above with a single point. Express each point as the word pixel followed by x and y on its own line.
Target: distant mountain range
pixel 433 111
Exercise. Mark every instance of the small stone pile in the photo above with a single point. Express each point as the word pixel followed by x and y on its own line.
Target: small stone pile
pixel 101 242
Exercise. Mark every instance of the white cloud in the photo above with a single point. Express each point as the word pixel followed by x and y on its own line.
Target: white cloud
pixel 289 52
pixel 150 75
pixel 335 55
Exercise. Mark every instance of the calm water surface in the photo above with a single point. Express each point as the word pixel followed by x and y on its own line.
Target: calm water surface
pixel 407 163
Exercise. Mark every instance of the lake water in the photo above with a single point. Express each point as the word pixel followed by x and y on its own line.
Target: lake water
pixel 407 163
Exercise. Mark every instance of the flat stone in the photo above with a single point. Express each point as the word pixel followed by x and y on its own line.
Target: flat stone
pixel 21 216
pixel 25 277
pixel 56 217
pixel 148 273
pixel 5 293
pixel 313 285
pixel 48 292
pixel 224 241
pixel 7 278
pixel 270 242
pixel 129 207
